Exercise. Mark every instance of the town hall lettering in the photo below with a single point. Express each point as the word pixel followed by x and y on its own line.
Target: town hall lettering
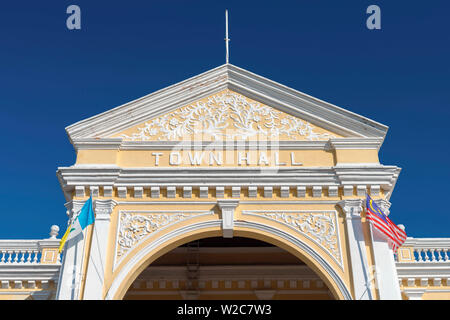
pixel 220 158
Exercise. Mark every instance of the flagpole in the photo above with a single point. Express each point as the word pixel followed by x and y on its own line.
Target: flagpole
pixel 373 250
pixel 84 232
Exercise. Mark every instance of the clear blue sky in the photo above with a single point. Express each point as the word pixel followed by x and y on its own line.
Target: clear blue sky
pixel 51 77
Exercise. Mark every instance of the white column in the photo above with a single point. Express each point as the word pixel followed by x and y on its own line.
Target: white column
pixel 93 289
pixel 356 244
pixel 386 271
pixel 70 272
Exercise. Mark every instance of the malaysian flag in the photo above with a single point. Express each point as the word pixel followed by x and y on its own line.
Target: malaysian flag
pixel 383 224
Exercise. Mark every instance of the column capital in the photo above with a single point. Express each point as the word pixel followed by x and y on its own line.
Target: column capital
pixel 384 205
pixel 414 294
pixel 104 208
pixel 352 208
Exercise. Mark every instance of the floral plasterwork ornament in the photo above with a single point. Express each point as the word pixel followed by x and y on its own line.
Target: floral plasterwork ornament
pixel 226 116
pixel 319 226
pixel 134 227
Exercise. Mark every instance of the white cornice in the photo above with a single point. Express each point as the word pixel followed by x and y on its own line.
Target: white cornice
pixel 427 243
pixel 333 143
pixel 296 103
pixel 82 176
pixel 356 143
pixel 97 144
pixel 28 244
pixel 29 272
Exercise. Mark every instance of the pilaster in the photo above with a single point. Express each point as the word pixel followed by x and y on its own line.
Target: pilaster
pixel 93 289
pixel 359 266
pixel 70 272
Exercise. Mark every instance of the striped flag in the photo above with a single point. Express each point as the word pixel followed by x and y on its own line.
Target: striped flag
pixel 383 224
pixel 85 217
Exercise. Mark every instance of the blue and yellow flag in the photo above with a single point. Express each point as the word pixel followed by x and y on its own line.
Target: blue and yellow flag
pixel 85 218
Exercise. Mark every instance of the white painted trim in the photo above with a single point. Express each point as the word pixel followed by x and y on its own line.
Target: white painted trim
pixel 339 262
pixel 136 259
pixel 265 91
pixel 197 213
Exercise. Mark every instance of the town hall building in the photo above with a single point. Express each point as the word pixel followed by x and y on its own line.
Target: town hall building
pixel 227 185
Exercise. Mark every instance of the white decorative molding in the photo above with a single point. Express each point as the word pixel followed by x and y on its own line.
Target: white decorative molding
pixel 227 206
pixel 361 190
pixel 187 192
pixel 317 191
pixel 301 191
pixel 203 192
pixel 424 282
pixel 171 192
pixel 31 284
pixel 220 192
pixel 333 191
pixel 384 176
pixel 137 259
pixel 107 191
pixel 252 191
pixel 211 118
pixel 414 294
pixel 236 192
pixel 122 192
pixel 320 226
pixel 437 282
pixel 135 226
pixel 374 191
pixel 138 192
pixel 268 191
pixel 348 190
pixel 94 191
pixel 79 191
pixel 155 192
pixel 284 191
pixel 356 143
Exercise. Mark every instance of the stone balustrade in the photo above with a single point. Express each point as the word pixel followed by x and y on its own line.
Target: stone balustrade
pixel 425 250
pixel 27 252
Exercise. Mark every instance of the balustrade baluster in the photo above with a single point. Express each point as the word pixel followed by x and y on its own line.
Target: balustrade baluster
pixel 16 256
pixel 22 258
pixel 425 252
pixel 445 255
pixel 3 253
pixel 29 256
pixel 419 255
pixel 433 258
pixel 35 256
pixel 10 254
pixel 438 253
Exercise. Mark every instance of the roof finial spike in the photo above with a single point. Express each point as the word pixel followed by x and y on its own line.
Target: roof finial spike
pixel 226 37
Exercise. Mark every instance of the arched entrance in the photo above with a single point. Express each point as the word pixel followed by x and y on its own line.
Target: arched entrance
pixel 228 268
pixel 153 248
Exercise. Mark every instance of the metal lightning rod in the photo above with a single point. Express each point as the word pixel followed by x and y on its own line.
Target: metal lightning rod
pixel 226 37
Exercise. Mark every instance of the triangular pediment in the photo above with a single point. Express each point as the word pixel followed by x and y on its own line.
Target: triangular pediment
pixel 229 116
pixel 222 103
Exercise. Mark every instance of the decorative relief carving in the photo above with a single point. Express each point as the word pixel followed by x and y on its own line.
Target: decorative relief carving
pixel 321 227
pixel 226 115
pixel 135 226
